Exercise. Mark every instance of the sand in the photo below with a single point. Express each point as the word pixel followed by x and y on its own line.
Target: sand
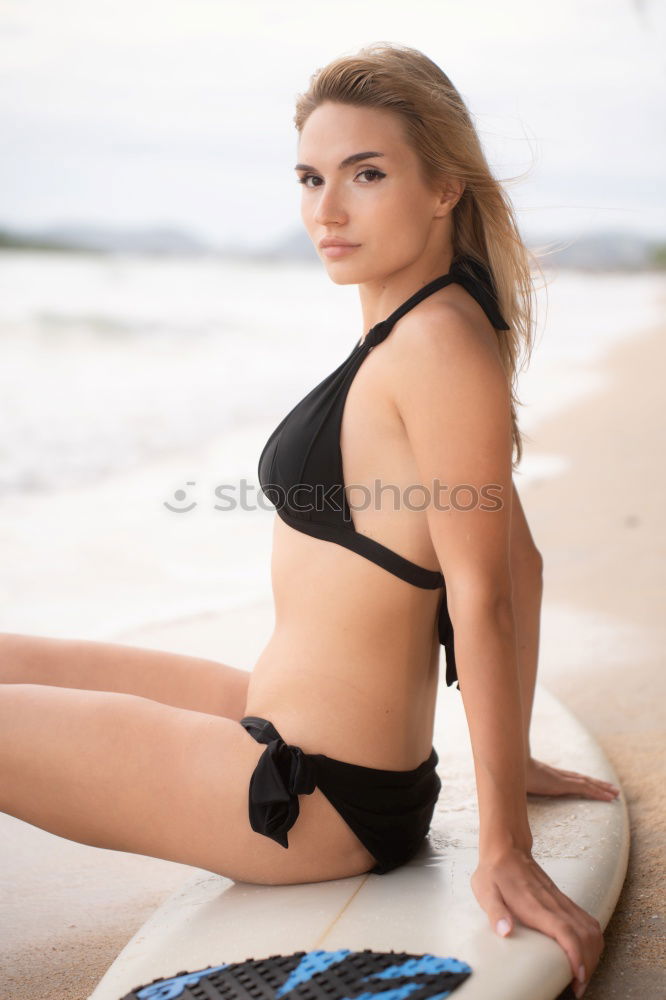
pixel 67 909
pixel 600 528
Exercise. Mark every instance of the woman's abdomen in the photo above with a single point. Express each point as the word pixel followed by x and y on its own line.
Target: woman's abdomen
pixel 351 668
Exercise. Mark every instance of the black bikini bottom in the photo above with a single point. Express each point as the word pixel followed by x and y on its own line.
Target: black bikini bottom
pixel 389 811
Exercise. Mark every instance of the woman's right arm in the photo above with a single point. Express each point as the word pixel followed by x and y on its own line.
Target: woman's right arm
pixel 453 398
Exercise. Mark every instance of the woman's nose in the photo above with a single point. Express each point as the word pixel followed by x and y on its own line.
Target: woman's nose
pixel 329 208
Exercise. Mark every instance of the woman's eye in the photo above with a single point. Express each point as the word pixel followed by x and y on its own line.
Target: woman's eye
pixel 305 178
pixel 369 170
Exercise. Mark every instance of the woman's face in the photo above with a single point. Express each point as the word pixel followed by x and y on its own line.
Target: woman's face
pixel 380 203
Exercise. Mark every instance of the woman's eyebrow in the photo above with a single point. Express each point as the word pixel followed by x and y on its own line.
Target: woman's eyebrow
pixel 345 163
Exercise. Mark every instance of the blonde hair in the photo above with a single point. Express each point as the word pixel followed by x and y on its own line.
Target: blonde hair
pixel 439 129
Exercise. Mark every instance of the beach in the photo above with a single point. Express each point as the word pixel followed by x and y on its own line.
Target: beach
pixel 596 515
pixel 601 531
pixel 600 528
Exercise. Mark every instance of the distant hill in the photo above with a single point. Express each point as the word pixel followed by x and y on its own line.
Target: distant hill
pixel 606 251
pixel 612 250
pixel 105 239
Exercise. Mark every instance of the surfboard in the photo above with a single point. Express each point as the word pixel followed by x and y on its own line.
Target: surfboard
pixel 424 908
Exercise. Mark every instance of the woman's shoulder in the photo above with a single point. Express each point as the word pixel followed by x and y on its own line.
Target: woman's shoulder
pixel 443 348
pixel 456 323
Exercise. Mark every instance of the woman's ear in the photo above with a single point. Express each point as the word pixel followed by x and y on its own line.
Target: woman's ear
pixel 449 196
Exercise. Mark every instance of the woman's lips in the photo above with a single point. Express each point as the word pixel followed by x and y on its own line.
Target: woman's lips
pixel 339 251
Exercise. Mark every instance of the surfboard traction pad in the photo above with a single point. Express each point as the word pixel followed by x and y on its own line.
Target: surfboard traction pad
pixel 316 975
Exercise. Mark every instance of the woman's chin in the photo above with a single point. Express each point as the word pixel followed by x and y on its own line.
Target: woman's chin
pixel 345 271
pixel 343 275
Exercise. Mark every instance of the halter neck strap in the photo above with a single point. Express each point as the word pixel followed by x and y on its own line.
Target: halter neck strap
pixel 465 271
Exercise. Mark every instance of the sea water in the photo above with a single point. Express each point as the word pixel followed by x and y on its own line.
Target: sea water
pixel 137 392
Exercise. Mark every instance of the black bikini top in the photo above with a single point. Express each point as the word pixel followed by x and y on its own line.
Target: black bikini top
pixel 300 467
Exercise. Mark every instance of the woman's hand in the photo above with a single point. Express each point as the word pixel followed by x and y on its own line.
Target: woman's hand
pixel 510 885
pixel 542 779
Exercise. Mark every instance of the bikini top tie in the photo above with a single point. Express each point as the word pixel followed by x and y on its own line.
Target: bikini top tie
pixel 473 276
pixel 300 466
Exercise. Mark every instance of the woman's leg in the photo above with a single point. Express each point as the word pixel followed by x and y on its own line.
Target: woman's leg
pixel 182 681
pixel 126 773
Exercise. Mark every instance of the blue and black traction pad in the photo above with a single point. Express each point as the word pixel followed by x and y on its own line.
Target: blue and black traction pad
pixel 316 975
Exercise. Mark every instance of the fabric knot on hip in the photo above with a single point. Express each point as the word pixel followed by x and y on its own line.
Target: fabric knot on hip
pixel 283 772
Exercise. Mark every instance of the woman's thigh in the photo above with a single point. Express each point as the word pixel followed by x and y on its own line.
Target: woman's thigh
pixel 190 682
pixel 126 773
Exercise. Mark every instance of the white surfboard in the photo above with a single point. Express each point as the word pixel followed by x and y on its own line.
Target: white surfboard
pixel 426 906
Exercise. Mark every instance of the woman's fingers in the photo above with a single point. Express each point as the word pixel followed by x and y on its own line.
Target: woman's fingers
pixel 543 779
pixel 516 887
pixel 583 784
pixel 577 939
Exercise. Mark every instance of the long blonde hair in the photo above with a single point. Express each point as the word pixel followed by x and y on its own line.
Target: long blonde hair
pixel 439 128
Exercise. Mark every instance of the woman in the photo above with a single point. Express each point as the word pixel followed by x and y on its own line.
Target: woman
pixel 142 751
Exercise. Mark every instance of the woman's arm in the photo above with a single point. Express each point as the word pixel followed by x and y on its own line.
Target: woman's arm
pixel 453 398
pixel 485 638
pixel 451 392
pixel 527 591
pixel 527 577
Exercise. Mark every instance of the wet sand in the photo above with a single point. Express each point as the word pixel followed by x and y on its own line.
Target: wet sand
pixel 66 910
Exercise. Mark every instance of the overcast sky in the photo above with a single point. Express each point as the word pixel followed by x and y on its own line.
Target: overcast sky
pixel 133 112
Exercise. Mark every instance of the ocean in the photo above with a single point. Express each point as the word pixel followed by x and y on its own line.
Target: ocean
pixel 134 387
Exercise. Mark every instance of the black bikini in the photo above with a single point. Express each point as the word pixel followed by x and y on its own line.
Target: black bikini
pixel 389 811
pixel 300 473
pixel 300 467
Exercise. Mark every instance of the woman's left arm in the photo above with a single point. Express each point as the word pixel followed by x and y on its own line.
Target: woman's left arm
pixel 451 392
pixel 453 398
pixel 527 592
